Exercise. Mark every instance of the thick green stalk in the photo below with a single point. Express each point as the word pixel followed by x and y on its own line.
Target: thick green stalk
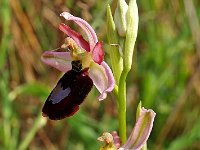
pixel 131 34
pixel 122 106
pixel 117 67
pixel 121 67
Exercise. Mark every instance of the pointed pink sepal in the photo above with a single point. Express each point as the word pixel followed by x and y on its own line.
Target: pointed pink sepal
pixel 58 60
pixel 141 131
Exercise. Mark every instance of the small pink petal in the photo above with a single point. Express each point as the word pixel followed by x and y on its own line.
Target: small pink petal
pixel 75 36
pixel 141 131
pixel 98 53
pixel 109 74
pixel 92 37
pixel 102 78
pixel 58 60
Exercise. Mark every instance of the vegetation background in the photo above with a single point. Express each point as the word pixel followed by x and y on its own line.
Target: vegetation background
pixel 165 75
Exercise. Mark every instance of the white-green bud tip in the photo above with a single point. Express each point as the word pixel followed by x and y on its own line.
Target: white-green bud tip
pixel 120 17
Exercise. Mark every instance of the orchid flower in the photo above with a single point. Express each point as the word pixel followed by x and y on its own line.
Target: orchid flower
pixel 90 53
pixel 141 130
pixel 80 60
pixel 138 136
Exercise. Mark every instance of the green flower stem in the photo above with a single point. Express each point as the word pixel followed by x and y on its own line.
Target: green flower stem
pixel 122 106
pixel 131 34
pixel 121 67
pixel 117 67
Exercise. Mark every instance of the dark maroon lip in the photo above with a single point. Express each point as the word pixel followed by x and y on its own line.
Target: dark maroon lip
pixel 68 94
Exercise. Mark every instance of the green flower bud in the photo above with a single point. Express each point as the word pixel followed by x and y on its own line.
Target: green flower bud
pixel 120 17
pixel 131 34
pixel 108 140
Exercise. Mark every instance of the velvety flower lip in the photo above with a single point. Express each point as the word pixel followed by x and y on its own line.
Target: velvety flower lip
pixel 141 131
pixel 90 53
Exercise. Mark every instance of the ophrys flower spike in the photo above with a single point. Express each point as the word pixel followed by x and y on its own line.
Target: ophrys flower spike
pixel 82 62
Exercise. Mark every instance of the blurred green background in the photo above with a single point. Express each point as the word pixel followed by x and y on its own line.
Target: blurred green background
pixel 165 75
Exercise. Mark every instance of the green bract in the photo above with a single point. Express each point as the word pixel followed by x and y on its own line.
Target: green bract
pixel 116 59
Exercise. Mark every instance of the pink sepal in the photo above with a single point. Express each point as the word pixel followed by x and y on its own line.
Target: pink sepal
pixel 58 60
pixel 141 131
